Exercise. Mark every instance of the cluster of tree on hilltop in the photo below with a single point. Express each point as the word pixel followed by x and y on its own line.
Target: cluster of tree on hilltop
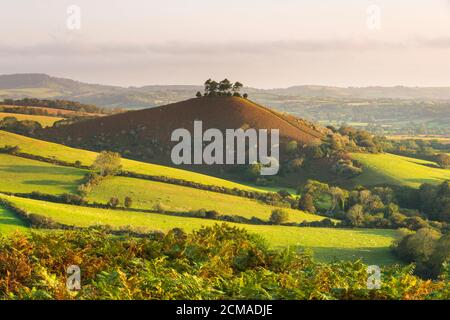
pixel 55 104
pixel 222 88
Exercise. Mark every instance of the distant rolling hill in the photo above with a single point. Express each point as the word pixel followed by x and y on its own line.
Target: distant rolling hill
pixel 372 92
pixel 43 86
pixel 37 85
pixel 145 134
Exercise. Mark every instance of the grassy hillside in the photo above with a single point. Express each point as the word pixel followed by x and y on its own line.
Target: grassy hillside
pixel 146 134
pixel 60 152
pixel 149 194
pixel 398 170
pixel 45 121
pixel 24 175
pixel 158 123
pixel 328 244
pixel 9 222
pixel 380 168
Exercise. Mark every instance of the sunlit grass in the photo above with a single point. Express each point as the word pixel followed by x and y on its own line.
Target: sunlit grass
pixel 393 169
pixel 60 152
pixel 21 175
pixel 45 121
pixel 148 195
pixel 370 244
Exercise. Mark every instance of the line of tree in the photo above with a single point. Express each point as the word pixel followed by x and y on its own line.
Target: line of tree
pixel 222 88
pixel 379 207
pixel 24 127
pixel 55 104
pixel 32 111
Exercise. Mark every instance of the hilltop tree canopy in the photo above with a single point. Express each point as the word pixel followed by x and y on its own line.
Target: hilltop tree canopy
pixel 222 88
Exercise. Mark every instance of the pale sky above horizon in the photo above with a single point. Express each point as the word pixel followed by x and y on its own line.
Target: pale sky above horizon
pixel 262 43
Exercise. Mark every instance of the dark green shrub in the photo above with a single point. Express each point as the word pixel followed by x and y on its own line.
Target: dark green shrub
pixel 279 216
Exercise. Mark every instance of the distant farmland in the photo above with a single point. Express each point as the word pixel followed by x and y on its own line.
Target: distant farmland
pixel 45 121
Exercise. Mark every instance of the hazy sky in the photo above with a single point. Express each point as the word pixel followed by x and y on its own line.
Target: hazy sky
pixel 262 43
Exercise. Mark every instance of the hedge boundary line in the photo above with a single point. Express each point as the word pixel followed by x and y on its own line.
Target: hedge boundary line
pixel 37 221
pixel 270 198
pixel 200 214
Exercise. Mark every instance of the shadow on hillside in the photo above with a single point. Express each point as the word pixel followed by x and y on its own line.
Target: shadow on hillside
pixel 47 182
pixel 429 180
pixel 10 221
pixel 37 169
pixel 430 165
pixel 376 232
pixel 70 187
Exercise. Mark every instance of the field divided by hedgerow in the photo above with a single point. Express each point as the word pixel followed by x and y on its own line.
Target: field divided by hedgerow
pixel 20 175
pixel 63 153
pixel 150 195
pixel 327 243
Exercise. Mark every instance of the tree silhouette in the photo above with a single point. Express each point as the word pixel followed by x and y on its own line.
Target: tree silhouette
pixel 222 88
pixel 237 86
pixel 225 86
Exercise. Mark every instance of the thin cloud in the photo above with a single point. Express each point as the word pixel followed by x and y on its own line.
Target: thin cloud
pixel 77 48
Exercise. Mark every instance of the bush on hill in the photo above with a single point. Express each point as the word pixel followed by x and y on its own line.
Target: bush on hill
pixel 107 163
pixel 443 160
pixel 279 216
pixel 428 249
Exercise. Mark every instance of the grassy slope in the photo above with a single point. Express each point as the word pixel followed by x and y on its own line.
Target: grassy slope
pixel 24 175
pixel 328 244
pixel 45 121
pixel 9 222
pixel 399 170
pixel 60 152
pixel 147 194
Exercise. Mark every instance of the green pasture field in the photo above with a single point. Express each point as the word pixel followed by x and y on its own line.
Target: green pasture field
pixel 24 176
pixel 60 152
pixel 398 170
pixel 150 195
pixel 328 244
pixel 9 223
